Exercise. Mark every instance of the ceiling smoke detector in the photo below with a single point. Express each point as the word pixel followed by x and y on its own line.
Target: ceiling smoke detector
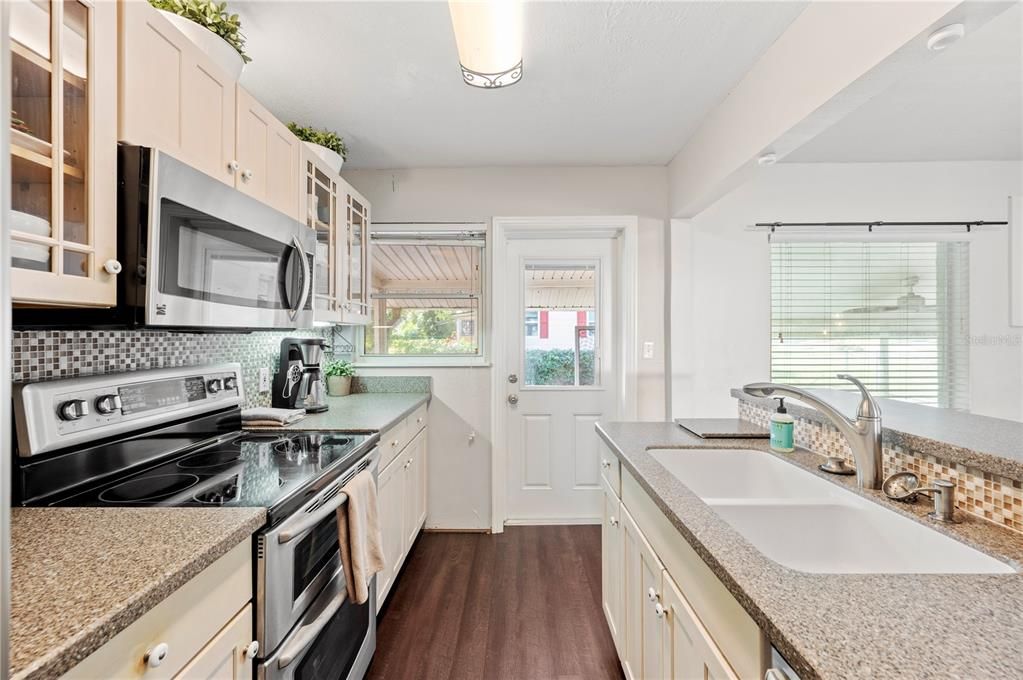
pixel 945 36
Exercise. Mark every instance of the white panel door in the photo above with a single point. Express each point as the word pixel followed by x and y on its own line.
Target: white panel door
pixel 560 375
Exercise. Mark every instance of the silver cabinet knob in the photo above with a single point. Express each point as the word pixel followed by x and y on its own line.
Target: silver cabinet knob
pixel 155 655
pixel 613 522
pixel 513 399
pixel 73 409
pixel 659 610
pixel 233 166
pixel 108 403
pixel 112 267
pixel 247 175
pixel 252 650
pixel 605 464
pixel 652 595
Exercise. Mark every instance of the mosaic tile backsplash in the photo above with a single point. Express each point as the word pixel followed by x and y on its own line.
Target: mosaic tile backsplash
pixel 46 355
pixel 993 497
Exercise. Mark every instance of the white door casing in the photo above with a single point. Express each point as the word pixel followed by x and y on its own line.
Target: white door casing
pixel 545 447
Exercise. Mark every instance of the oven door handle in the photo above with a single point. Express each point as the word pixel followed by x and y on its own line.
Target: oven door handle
pixel 305 635
pixel 298 526
pixel 307 277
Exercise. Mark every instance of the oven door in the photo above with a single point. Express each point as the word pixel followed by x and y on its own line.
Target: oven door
pixel 334 640
pixel 297 559
pixel 221 259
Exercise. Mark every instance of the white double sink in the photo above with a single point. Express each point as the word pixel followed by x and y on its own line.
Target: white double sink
pixel 809 524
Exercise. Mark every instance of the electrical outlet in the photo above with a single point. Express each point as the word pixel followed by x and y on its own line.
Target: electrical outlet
pixel 648 350
pixel 264 380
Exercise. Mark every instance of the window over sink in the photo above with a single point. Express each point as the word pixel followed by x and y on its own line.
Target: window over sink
pixel 894 314
pixel 427 299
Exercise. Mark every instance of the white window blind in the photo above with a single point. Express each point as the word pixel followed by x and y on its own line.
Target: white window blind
pixel 895 315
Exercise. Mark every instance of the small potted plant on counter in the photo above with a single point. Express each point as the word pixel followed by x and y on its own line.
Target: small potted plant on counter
pixel 339 378
pixel 212 28
pixel 326 144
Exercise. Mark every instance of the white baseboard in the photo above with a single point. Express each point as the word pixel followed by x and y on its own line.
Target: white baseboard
pixel 551 521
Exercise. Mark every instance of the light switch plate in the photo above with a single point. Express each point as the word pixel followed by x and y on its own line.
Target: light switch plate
pixel 648 350
pixel 264 380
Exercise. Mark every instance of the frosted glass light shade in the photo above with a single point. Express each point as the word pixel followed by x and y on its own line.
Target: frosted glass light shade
pixel 489 38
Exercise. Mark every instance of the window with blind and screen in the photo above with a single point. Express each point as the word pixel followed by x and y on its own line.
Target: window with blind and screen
pixel 895 315
pixel 427 293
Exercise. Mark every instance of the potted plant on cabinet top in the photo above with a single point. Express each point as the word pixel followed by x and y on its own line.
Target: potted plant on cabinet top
pixel 212 28
pixel 339 378
pixel 326 144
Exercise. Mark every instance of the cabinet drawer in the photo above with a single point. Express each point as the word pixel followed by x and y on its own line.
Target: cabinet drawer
pixel 416 421
pixel 611 469
pixel 392 441
pixel 186 621
pixel 732 630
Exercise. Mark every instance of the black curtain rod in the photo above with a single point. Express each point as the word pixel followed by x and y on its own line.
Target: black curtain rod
pixel 880 223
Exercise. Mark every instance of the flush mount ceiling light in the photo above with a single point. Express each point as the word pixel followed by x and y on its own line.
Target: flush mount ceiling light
pixel 767 159
pixel 489 38
pixel 945 36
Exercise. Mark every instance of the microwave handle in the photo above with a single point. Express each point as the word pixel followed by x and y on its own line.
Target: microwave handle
pixel 298 526
pixel 308 632
pixel 307 278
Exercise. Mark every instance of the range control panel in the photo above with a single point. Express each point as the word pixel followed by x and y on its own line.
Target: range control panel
pixel 60 413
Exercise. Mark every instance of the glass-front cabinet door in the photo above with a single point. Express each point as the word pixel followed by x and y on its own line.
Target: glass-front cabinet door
pixel 63 152
pixel 322 215
pixel 355 307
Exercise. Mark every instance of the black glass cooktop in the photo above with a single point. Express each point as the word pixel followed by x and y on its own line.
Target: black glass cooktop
pixel 247 470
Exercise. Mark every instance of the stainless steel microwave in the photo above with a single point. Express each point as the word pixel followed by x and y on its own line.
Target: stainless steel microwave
pixel 197 254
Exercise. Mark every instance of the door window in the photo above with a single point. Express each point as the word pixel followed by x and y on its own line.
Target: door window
pixel 559 332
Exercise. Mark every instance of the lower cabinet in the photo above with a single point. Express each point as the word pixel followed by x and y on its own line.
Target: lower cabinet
pixel 611 563
pixel 201 631
pixel 661 629
pixel 224 657
pixel 401 497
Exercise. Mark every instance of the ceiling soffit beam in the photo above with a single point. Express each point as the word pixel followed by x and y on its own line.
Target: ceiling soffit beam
pixel 833 58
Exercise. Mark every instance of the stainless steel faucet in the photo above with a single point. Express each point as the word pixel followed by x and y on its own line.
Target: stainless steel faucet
pixel 863 434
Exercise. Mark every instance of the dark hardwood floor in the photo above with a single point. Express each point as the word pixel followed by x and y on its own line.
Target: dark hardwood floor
pixel 522 605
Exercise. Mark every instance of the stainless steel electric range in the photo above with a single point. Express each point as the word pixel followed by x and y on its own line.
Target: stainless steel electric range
pixel 172 437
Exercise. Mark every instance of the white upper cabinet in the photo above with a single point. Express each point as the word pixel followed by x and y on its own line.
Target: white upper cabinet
pixel 355 305
pixel 63 153
pixel 268 156
pixel 174 98
pixel 171 96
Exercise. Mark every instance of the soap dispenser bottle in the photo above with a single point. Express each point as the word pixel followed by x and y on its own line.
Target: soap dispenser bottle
pixel 782 426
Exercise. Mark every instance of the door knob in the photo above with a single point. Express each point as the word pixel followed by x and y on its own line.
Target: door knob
pixel 513 399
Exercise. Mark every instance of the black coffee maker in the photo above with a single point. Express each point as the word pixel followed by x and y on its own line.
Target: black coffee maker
pixel 298 382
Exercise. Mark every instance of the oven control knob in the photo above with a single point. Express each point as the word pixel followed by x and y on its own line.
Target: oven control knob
pixel 73 409
pixel 108 403
pixel 214 385
pixel 230 383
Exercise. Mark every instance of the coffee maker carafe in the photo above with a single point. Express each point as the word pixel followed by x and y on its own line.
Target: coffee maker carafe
pixel 299 381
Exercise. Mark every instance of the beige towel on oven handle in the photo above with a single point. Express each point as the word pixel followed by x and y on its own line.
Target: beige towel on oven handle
pixel 358 525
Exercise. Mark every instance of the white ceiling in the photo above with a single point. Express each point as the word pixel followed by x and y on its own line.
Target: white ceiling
pixel 605 83
pixel 964 104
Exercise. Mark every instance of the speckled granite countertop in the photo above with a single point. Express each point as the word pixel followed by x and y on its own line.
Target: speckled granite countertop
pixel 79 576
pixel 367 412
pixel 828 626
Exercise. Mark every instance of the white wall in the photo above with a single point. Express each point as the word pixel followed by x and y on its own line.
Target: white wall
pixel 720 274
pixel 459 495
